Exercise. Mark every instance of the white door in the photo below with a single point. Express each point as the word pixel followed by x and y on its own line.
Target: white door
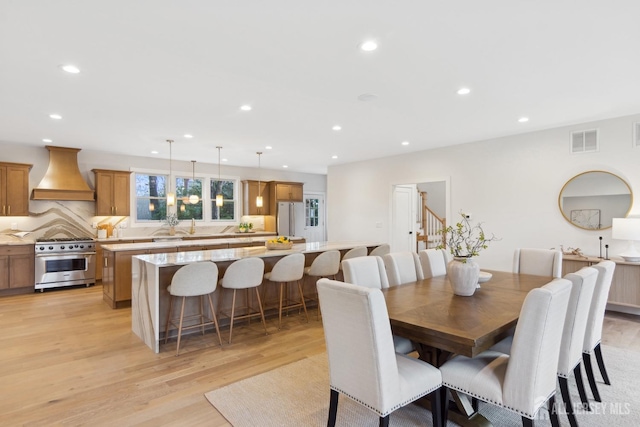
pixel 314 213
pixel 402 217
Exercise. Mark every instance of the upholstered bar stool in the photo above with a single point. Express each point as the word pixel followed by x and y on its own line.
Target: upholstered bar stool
pixel 381 250
pixel 193 280
pixel 244 274
pixel 287 270
pixel 327 265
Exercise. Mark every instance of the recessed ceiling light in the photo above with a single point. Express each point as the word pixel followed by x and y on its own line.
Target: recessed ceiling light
pixel 69 68
pixel 268 147
pixel 405 142
pixel 186 135
pixel 154 152
pixel 285 166
pixel 334 157
pixel 367 97
pixel 55 116
pixel 368 46
pixel 47 140
pixel 523 119
pixel 337 127
pixel 464 91
pixel 246 108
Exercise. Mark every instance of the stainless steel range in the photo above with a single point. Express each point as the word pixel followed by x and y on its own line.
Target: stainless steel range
pixel 67 261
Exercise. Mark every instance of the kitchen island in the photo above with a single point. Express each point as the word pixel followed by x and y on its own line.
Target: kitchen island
pixel 115 259
pixel 152 273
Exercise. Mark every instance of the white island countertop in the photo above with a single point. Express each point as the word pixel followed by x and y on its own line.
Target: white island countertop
pixel 233 254
pixel 177 243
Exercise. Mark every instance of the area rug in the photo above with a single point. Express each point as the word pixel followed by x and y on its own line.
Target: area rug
pixel 298 395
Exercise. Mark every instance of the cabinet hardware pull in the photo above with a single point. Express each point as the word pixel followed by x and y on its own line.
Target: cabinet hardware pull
pixel 9 213
pixel 106 262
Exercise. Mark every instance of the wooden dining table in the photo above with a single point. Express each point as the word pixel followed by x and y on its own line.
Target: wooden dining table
pixel 442 324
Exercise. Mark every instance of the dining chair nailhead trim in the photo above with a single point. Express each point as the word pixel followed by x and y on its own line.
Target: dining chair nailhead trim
pixel 484 399
pixel 400 405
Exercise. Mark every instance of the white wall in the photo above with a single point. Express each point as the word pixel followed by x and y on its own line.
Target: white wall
pixel 510 184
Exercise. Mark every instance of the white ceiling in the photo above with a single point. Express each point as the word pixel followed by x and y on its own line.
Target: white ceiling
pixel 153 70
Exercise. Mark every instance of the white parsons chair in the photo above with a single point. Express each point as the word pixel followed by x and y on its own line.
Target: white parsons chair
pixel 573 332
pixel 524 380
pixel 593 334
pixel 434 262
pixel 369 272
pixel 402 267
pixel 362 363
pixel 539 262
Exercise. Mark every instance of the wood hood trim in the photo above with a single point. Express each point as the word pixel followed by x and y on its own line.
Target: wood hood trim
pixel 63 180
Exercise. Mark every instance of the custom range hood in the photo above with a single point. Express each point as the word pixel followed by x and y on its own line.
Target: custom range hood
pixel 63 180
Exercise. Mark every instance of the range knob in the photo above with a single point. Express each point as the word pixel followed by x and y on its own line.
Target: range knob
pixel 81 246
pixel 50 248
pixel 42 248
pixel 75 246
pixel 62 247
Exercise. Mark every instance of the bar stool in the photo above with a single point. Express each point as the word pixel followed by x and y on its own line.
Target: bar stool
pixel 288 269
pixel 381 250
pixel 356 252
pixel 327 264
pixel 193 280
pixel 243 274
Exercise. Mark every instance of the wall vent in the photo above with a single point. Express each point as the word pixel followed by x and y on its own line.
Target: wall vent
pixel 636 134
pixel 585 141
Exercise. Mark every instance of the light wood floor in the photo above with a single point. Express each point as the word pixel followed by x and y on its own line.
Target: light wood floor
pixel 66 358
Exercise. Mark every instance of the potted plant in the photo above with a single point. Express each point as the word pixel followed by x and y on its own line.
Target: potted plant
pixel 245 227
pixel 172 221
pixel 465 241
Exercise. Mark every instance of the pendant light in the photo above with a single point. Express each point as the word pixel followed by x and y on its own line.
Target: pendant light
pixel 219 200
pixel 193 199
pixel 171 197
pixel 259 198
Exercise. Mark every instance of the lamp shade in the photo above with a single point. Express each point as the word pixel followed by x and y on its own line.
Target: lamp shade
pixel 627 229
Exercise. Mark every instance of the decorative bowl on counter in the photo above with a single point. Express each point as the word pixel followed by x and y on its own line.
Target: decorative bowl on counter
pixel 282 243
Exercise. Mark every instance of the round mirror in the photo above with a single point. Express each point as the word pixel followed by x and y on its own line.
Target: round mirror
pixel 592 199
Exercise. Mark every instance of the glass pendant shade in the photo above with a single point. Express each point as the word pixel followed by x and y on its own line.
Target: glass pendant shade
pixel 193 199
pixel 219 199
pixel 152 207
pixel 259 201
pixel 259 197
pixel 182 208
pixel 171 196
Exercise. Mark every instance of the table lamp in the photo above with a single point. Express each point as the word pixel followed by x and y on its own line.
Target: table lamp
pixel 627 229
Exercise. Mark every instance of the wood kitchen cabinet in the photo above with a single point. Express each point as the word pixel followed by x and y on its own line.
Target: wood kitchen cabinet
pixel 14 189
pixel 116 275
pixel 112 192
pixel 17 266
pixel 284 192
pixel 251 190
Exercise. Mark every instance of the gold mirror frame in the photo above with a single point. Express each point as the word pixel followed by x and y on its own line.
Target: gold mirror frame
pixel 585 217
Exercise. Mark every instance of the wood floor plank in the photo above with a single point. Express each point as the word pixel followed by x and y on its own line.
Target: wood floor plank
pixel 68 359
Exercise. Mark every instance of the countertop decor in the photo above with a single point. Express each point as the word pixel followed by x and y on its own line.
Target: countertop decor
pixel 281 242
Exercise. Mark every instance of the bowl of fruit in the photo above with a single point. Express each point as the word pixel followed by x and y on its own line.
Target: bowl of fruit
pixel 281 242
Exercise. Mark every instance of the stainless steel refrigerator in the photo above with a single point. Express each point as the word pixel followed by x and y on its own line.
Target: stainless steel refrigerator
pixel 290 219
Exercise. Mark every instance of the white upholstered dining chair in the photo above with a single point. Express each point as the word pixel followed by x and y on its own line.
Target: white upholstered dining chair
pixel 593 333
pixel 369 272
pixel 539 262
pixel 362 363
pixel 523 381
pixel 402 267
pixel 434 262
pixel 573 332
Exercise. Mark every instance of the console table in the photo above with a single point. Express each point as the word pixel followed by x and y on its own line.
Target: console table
pixel 625 288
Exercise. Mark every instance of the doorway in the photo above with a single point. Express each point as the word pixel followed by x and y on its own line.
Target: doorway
pixel 314 229
pixel 406 213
